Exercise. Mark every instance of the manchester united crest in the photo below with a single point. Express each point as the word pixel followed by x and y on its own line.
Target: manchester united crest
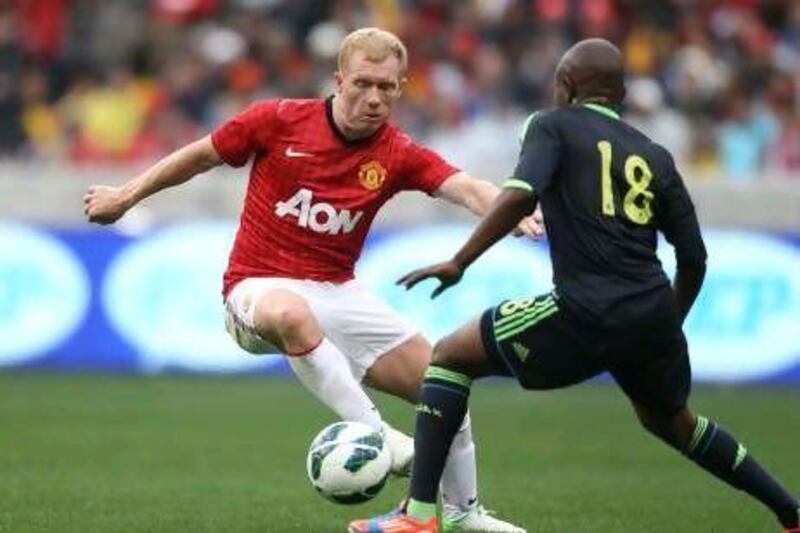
pixel 371 175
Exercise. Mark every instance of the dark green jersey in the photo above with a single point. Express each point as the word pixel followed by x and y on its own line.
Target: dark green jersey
pixel 605 190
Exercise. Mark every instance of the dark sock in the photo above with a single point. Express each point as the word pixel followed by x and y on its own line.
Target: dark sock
pixel 718 452
pixel 440 411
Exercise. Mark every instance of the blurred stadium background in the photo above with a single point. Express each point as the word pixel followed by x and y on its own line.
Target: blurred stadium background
pixel 93 91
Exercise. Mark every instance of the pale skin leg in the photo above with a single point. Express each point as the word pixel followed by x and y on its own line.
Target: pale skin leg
pixel 285 319
pixel 400 371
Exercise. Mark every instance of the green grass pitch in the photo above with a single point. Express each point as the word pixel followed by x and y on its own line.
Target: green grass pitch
pixel 125 454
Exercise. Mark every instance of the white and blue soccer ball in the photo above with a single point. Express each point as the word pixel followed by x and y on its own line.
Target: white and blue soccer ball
pixel 348 462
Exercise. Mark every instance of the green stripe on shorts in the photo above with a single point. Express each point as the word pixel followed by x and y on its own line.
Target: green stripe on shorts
pixel 525 318
pixel 529 321
pixel 512 310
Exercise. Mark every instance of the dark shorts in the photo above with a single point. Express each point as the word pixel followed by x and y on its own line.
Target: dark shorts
pixel 545 346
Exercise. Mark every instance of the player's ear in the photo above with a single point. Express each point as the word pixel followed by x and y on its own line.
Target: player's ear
pixel 338 77
pixel 569 89
pixel 401 86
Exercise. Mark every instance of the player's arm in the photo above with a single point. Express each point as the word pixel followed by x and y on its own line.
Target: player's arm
pixel 687 284
pixel 105 204
pixel 535 170
pixel 678 222
pixel 510 207
pixel 464 190
pixel 478 196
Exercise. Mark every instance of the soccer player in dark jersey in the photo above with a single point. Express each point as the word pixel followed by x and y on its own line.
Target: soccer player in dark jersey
pixel 605 190
pixel 321 169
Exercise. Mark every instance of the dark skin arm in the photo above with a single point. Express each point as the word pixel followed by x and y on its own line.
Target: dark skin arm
pixel 511 206
pixel 688 280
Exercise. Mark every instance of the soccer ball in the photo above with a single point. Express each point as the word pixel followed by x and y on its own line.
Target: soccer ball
pixel 348 462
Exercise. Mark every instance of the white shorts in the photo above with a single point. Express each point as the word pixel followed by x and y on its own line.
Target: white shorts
pixel 355 321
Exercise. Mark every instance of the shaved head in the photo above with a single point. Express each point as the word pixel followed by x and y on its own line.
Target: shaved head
pixel 592 70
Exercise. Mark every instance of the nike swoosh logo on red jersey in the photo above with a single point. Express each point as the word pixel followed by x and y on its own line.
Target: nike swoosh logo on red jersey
pixel 290 152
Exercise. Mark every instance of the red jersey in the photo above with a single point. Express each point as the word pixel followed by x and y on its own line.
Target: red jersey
pixel 313 194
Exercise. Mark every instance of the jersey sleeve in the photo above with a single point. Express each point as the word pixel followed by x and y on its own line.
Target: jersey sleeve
pixel 246 133
pixel 425 170
pixel 677 219
pixel 538 159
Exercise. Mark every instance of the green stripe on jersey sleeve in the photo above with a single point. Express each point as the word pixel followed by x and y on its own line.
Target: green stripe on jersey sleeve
pixel 514 183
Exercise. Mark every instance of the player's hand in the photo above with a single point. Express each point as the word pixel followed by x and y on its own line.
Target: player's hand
pixel 532 226
pixel 448 273
pixel 103 204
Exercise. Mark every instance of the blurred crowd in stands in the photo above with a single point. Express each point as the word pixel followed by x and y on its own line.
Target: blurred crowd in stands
pixel 106 81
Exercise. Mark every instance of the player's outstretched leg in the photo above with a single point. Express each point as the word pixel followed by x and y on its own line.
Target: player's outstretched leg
pixel 285 318
pixel 718 452
pixel 442 406
pixel 400 372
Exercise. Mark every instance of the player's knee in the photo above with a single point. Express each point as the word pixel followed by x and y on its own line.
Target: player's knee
pixel 683 424
pixel 443 354
pixel 648 422
pixel 457 354
pixel 286 317
pixel 293 320
pixel 671 428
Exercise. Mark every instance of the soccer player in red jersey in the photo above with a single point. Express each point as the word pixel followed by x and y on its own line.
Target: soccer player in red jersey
pixel 321 170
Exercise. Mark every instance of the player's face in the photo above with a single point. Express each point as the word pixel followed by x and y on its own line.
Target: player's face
pixel 368 91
